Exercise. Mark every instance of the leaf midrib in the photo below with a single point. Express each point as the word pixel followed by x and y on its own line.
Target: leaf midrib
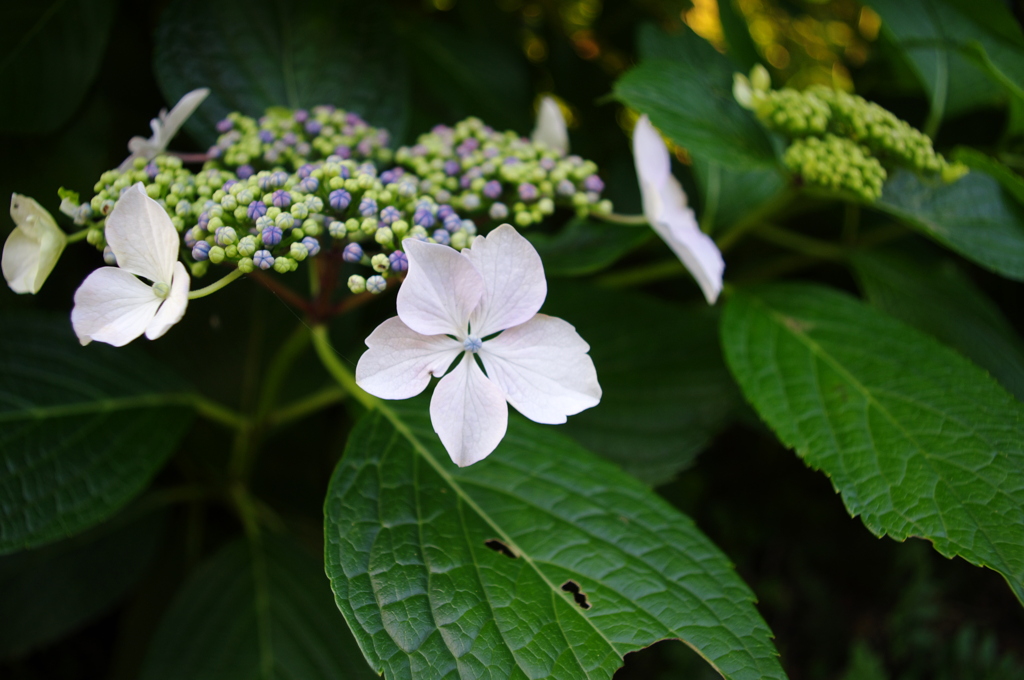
pixel 140 401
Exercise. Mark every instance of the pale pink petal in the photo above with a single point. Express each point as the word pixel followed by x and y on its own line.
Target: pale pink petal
pixel 650 155
pixel 174 305
pixel 33 248
pixel 469 413
pixel 400 361
pixel 550 130
pixel 164 127
pixel 440 290
pixel 543 369
pixel 142 236
pixel 513 275
pixel 112 306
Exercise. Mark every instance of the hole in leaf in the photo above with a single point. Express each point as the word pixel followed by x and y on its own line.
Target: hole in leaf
pixel 499 547
pixel 577 594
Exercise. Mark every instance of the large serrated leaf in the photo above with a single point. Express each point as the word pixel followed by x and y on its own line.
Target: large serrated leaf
pixel 667 391
pixel 254 54
pixel 258 609
pixel 82 430
pixel 934 296
pixel 919 441
pixel 541 561
pixel 973 216
pixel 686 89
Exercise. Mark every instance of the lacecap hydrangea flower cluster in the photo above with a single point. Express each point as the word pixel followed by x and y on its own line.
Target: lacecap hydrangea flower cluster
pixel 281 189
pixel 841 141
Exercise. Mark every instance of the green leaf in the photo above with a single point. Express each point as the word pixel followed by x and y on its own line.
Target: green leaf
pixel 685 87
pixel 254 54
pixel 48 592
pixel 255 610
pixel 742 49
pixel 49 57
pixel 936 36
pixel 972 216
pixel 82 429
pixel 731 194
pixel 1007 178
pixel 667 392
pixel 933 295
pixel 586 246
pixel 541 561
pixel 918 440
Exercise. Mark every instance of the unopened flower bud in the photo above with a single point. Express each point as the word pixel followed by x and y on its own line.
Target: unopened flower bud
pixel 398 261
pixel 376 284
pixel 201 251
pixel 216 254
pixel 298 251
pixel 356 284
pixel 109 257
pixel 225 236
pixel 246 265
pixel 263 259
pixel 380 262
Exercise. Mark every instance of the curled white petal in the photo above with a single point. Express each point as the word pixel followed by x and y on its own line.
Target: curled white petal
pixel 513 278
pixel 33 248
pixel 666 210
pixel 440 291
pixel 469 413
pixel 543 369
pixel 113 306
pixel 142 236
pixel 174 305
pixel 400 361
pixel 164 127
pixel 550 129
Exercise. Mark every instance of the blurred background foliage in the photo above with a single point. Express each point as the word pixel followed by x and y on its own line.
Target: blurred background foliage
pixel 82 77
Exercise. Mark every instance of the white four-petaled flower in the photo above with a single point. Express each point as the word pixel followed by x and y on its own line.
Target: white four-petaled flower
pixel 451 304
pixel 550 129
pixel 164 127
pixel 114 306
pixel 666 210
pixel 32 249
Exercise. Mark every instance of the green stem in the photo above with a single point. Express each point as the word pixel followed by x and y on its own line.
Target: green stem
pixel 332 362
pixel 218 413
pixel 754 218
pixel 77 236
pixel 800 243
pixel 248 512
pixel 303 407
pixel 214 287
pixel 637 276
pixel 277 370
pixel 621 219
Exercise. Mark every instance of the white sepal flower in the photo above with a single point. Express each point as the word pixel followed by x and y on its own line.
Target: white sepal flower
pixel 114 306
pixel 164 126
pixel 666 210
pixel 33 248
pixel 550 129
pixel 449 305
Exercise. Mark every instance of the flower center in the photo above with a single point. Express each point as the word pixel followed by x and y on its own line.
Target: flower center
pixel 161 290
pixel 472 344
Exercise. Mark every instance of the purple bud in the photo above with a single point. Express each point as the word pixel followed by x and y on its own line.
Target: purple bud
pixel 290 138
pixel 343 151
pixel 281 199
pixel 492 189
pixel 152 170
pixel 389 214
pixel 256 210
pixel 511 160
pixel 423 217
pixel 301 115
pixel 313 127
pixel 451 168
pixel 452 222
pixel 527 192
pixel 309 185
pixel 204 220
pixel 224 125
pixel 353 119
pixel 265 182
pixel 593 183
pixel 353 252
pixel 190 239
pixel 444 211
pixel 200 251
pixel 367 207
pixel 339 199
pixel 547 164
pixel 279 178
pixel 442 237
pixel 266 136
pixel 230 183
pixel 214 152
pixel 225 236
pixel 344 172
pixel 312 245
pixel 245 171
pixel 272 235
pixel 399 261
pixel 566 188
pixel 365 147
pixel 263 259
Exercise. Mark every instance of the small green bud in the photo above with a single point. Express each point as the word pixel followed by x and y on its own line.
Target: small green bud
pixel 311 227
pixel 380 263
pixel 357 284
pixel 199 268
pixel 216 254
pixel 284 264
pixel 524 218
pixel 400 228
pixel 231 252
pixel 94 236
pixel 459 240
pixel 384 236
pixel 152 190
pixel 351 225
pixel 214 224
pixel 246 266
pixel 298 251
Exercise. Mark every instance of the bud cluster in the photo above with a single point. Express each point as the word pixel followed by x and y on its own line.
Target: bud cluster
pixel 282 189
pixel 830 115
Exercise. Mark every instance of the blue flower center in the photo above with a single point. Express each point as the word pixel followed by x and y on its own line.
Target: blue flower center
pixel 472 344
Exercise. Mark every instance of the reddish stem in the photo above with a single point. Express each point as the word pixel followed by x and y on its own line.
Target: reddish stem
pixel 281 291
